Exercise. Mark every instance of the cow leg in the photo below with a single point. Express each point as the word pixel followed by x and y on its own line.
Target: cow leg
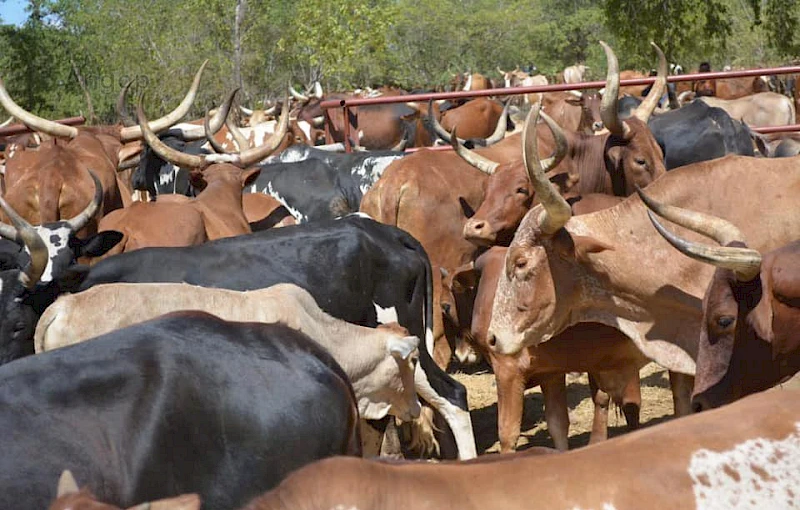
pixel 554 390
pixel 600 422
pixel 681 385
pixel 632 397
pixel 459 420
pixel 510 404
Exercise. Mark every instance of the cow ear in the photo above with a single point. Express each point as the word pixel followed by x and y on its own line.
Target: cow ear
pixel 466 277
pixel 98 244
pixel 250 175
pixel 401 347
pixel 66 484
pixel 584 246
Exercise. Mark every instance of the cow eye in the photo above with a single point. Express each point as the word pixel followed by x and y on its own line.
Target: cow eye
pixel 520 263
pixel 523 191
pixel 640 161
pixel 725 321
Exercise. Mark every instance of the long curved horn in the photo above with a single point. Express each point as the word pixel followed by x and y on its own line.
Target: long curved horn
pixel 83 217
pixel 401 145
pixel 241 141
pixel 254 155
pixel 718 229
pixel 501 71
pixel 317 90
pixel 556 212
pixel 295 94
pixel 246 111
pixel 7 122
pixel 136 133
pixel 222 113
pixel 438 128
pixel 483 164
pixel 745 262
pixel 561 143
pixel 163 150
pixel 32 121
pixel 648 106
pixel 608 106
pixel 501 128
pixel 32 240
pixel 122 110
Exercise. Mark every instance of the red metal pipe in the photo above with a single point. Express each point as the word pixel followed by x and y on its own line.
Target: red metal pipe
pixel 792 128
pixel 341 103
pixel 16 129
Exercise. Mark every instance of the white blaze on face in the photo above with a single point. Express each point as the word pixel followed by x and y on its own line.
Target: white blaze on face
pixel 305 127
pixel 274 194
pixel 757 474
pixel 55 240
pixel 385 315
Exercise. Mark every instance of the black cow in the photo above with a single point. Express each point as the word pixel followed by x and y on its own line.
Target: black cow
pixel 354 268
pixel 183 403
pixel 698 132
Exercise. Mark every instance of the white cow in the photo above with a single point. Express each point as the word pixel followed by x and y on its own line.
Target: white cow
pixel 380 362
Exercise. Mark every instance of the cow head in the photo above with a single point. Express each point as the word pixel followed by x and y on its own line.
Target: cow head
pixel 457 302
pixel 748 337
pixel 391 388
pixel 69 497
pixel 52 249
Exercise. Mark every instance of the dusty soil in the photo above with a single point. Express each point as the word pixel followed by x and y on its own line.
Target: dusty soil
pixel 482 394
pixel 656 408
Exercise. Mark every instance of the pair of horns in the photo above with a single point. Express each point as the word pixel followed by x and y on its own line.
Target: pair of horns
pixel 498 134
pixel 744 262
pixel 608 105
pixel 245 157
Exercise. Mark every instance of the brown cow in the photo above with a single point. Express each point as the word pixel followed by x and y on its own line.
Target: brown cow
pixel 631 90
pixel 180 221
pixel 51 182
pixel 611 163
pixel 749 333
pixel 574 111
pixel 612 360
pixel 745 455
pixel 263 211
pixel 483 121
pixel 431 194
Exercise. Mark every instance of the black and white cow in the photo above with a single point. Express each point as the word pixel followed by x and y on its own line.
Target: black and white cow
pixel 356 269
pixel 185 403
pixel 159 177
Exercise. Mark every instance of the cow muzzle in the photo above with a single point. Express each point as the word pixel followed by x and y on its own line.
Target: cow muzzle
pixel 479 232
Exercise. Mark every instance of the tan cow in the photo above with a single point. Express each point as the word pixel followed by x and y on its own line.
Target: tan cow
pixel 746 455
pixel 757 110
pixel 574 74
pixel 380 362
pixel 611 359
pixel 611 267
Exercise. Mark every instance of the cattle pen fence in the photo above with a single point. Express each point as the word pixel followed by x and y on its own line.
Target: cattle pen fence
pixel 351 116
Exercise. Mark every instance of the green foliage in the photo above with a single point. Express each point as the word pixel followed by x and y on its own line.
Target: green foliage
pixel 357 43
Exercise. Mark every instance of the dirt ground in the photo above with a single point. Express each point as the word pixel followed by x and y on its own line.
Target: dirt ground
pixel 482 394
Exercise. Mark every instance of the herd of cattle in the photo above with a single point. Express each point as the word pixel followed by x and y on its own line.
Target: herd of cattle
pixel 257 301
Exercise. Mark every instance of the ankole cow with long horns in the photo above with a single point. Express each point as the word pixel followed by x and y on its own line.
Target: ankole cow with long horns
pixel 52 183
pixel 612 163
pixel 748 337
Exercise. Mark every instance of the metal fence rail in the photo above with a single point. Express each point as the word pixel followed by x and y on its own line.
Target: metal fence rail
pixel 346 104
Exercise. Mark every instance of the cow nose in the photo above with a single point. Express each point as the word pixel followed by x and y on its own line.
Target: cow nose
pixel 477 226
pixel 597 126
pixel 446 308
pixel 492 341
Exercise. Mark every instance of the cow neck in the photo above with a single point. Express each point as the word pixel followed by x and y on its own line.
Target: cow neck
pixel 585 157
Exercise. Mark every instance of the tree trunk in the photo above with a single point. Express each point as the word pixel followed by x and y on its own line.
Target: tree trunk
pixel 241 9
